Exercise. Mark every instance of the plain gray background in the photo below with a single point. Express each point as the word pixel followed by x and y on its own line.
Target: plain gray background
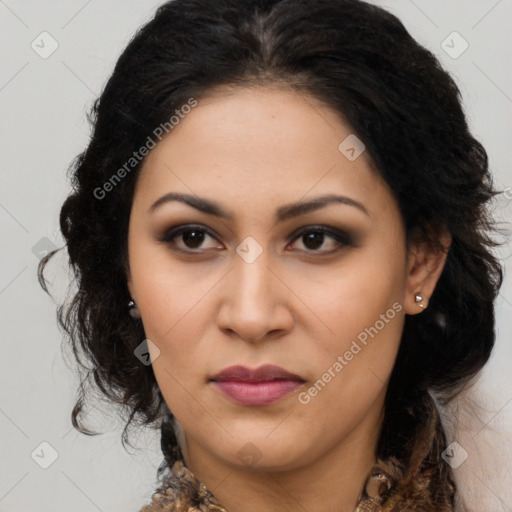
pixel 43 127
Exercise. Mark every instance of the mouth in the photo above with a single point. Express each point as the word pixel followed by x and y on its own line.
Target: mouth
pixel 264 373
pixel 262 386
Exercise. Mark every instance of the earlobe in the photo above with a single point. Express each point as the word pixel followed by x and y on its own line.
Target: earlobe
pixel 129 284
pixel 426 261
pixel 133 309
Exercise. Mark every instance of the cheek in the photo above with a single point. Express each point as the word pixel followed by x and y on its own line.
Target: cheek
pixel 352 371
pixel 362 306
pixel 175 323
pixel 168 292
pixel 366 291
pixel 182 357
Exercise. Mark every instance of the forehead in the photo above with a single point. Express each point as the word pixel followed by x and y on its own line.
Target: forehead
pixel 245 143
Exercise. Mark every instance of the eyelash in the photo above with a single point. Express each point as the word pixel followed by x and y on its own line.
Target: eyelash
pixel 342 238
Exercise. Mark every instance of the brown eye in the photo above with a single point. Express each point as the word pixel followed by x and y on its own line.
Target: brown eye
pixel 313 240
pixel 188 238
pixel 315 237
pixel 193 238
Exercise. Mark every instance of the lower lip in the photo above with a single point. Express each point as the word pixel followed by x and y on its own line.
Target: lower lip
pixel 257 393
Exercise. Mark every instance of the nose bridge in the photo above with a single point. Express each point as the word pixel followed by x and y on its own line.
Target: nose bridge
pixel 252 276
pixel 252 303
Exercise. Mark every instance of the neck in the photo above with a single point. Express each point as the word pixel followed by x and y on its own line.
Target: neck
pixel 332 482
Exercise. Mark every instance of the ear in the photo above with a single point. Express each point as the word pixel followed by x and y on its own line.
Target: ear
pixel 425 262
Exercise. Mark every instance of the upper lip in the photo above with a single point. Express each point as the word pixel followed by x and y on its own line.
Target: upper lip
pixel 263 373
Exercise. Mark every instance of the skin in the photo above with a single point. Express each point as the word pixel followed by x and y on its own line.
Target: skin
pixel 298 305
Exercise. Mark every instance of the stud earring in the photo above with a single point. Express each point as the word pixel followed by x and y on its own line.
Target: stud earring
pixel 418 299
pixel 133 310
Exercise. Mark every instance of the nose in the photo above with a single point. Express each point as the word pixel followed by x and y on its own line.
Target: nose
pixel 255 301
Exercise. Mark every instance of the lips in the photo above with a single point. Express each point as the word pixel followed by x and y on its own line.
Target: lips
pixel 261 386
pixel 262 374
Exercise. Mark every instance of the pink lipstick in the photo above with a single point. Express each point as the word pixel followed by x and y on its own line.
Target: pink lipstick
pixel 261 386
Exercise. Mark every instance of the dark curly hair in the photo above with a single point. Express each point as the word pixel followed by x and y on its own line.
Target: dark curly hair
pixel 359 60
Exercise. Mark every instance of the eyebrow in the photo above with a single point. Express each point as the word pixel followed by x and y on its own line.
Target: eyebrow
pixel 283 213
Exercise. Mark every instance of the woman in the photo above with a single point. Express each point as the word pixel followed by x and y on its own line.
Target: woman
pixel 282 250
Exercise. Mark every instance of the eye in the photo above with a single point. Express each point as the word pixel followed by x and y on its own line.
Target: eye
pixel 188 238
pixel 315 237
pixel 193 239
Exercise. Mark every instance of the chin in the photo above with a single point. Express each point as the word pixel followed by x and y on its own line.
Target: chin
pixel 262 453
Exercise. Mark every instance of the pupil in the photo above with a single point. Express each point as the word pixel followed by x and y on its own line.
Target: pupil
pixel 193 237
pixel 315 238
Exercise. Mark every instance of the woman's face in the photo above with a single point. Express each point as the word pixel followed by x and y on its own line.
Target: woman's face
pixel 319 290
